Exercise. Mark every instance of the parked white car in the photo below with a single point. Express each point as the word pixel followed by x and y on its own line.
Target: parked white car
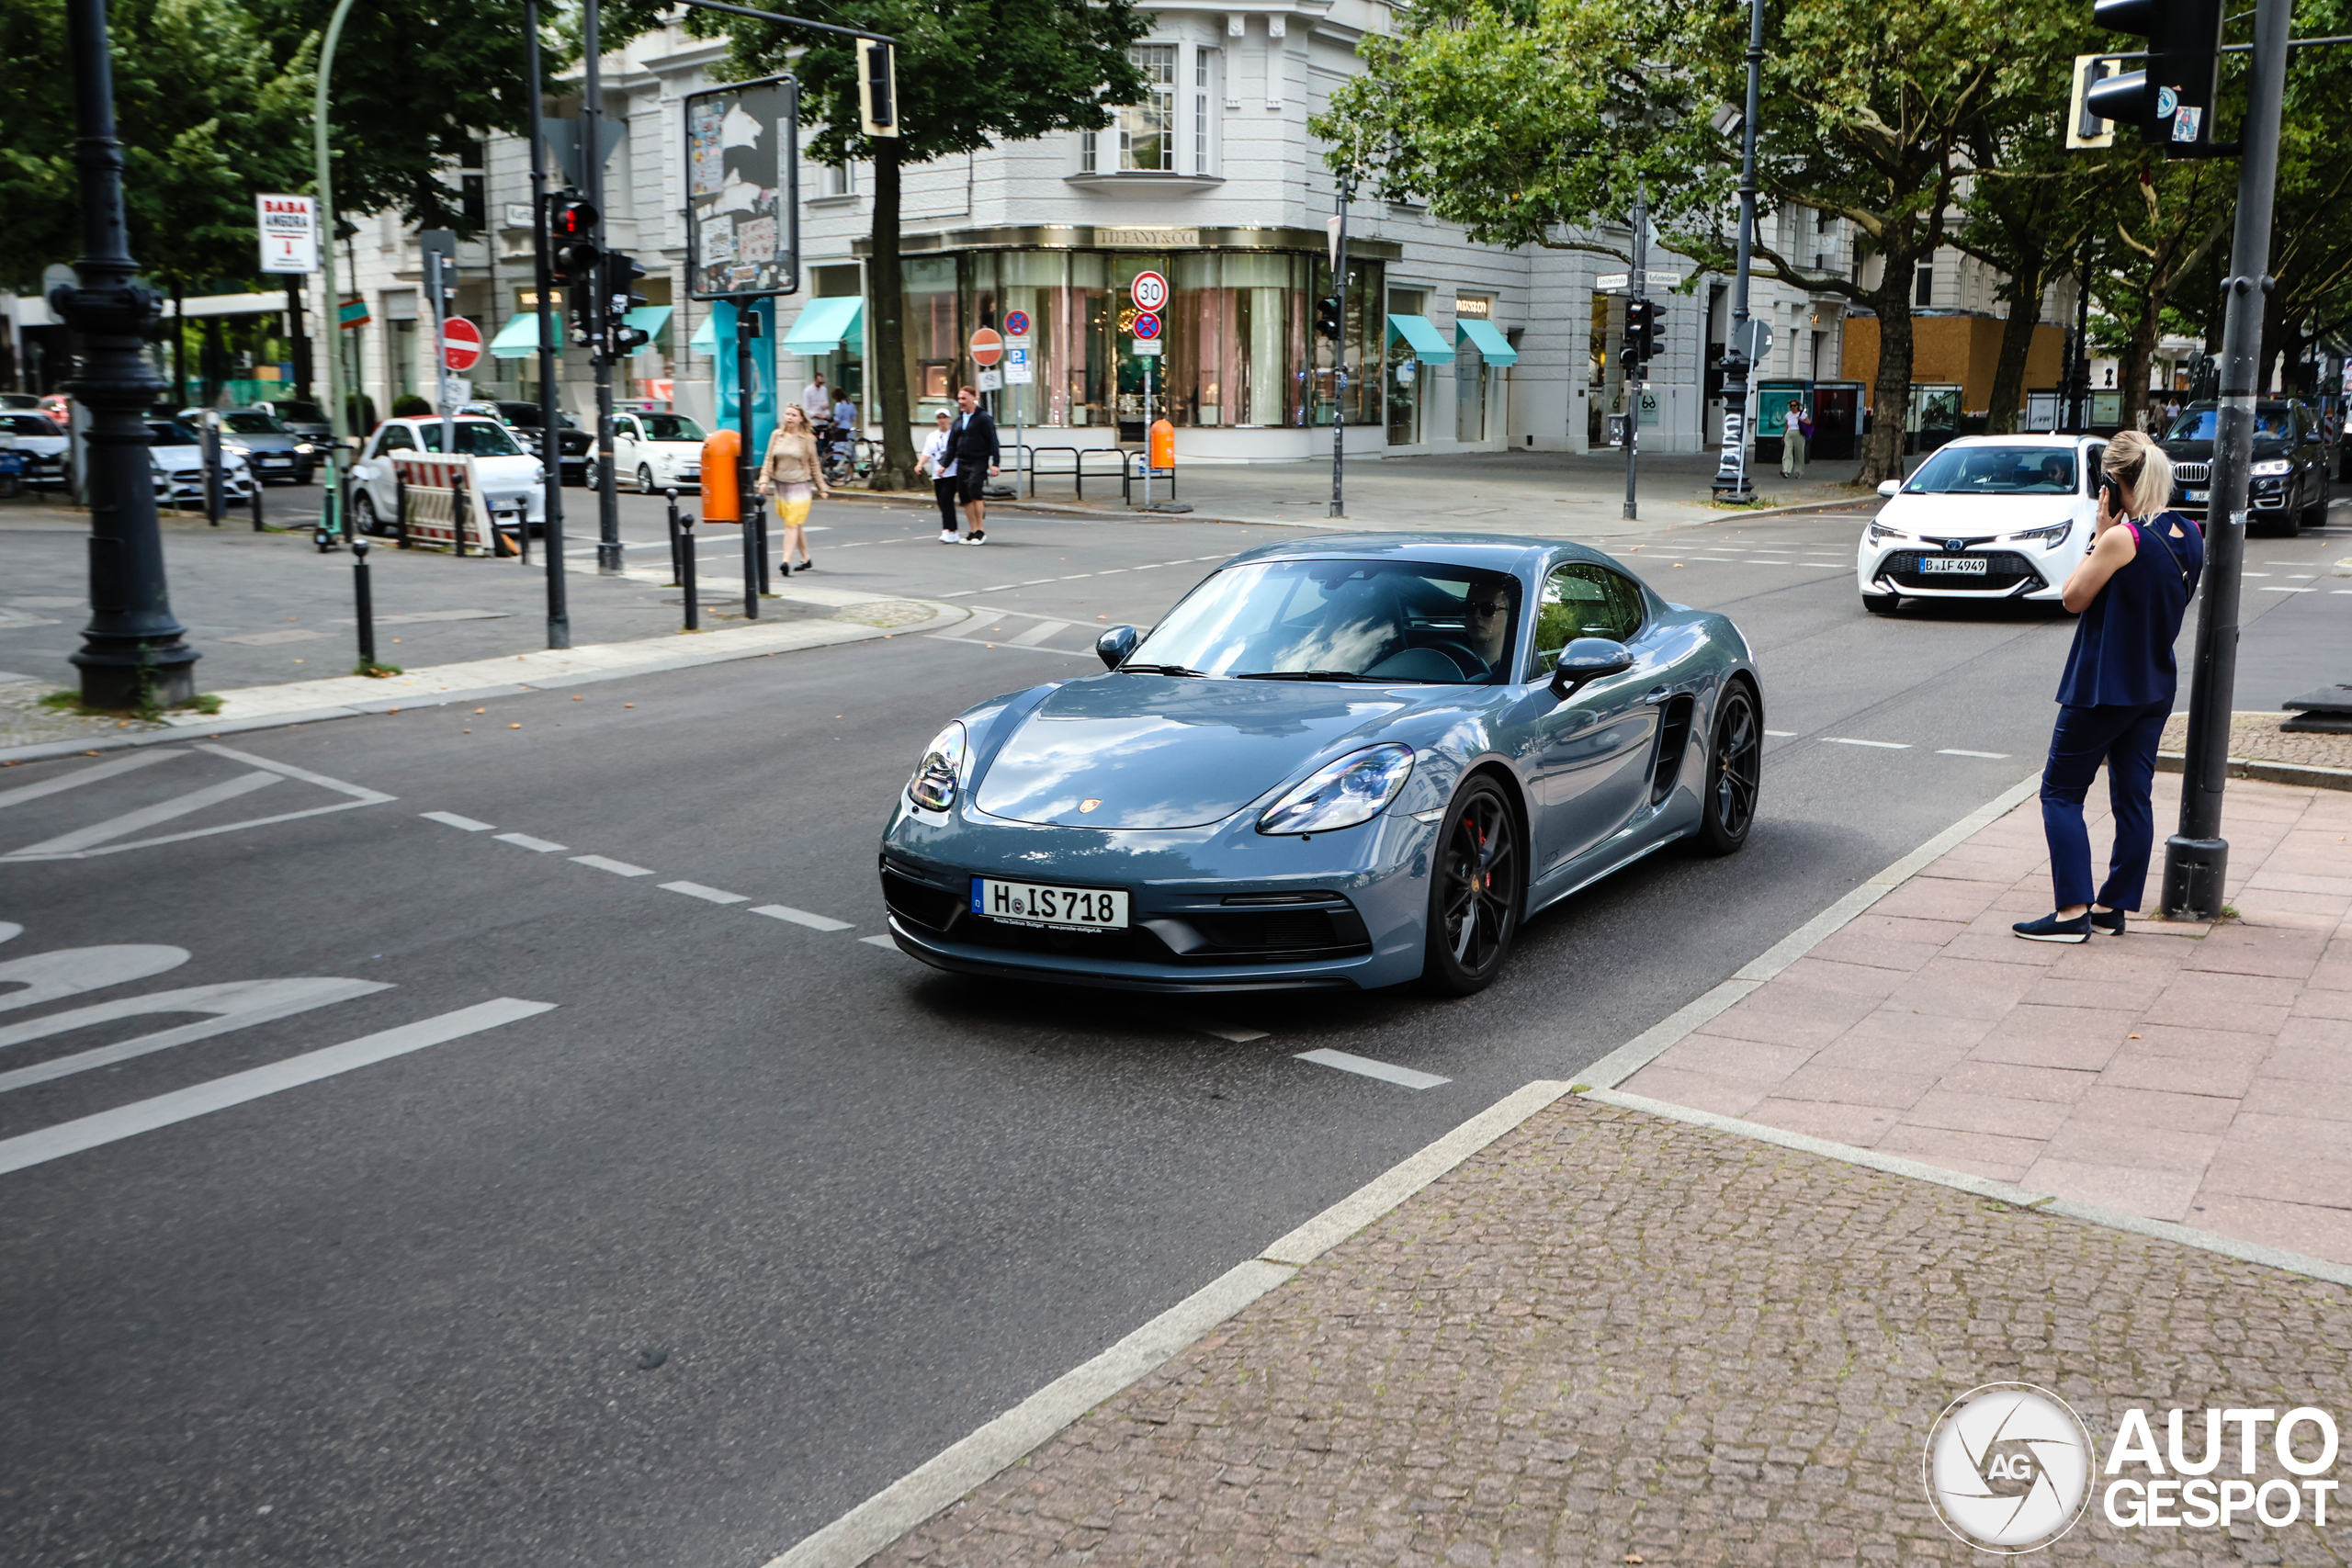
pixel 507 474
pixel 1984 517
pixel 42 441
pixel 656 452
pixel 176 457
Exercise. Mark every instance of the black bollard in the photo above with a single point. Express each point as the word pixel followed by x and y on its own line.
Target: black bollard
pixel 255 481
pixel 687 569
pixel 457 518
pixel 364 601
pixel 400 507
pixel 209 437
pixel 676 573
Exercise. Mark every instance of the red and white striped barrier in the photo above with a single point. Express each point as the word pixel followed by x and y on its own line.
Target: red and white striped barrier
pixel 429 487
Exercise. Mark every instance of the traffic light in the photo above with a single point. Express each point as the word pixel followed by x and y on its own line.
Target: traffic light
pixel 1641 331
pixel 1327 317
pixel 878 87
pixel 571 239
pixel 621 272
pixel 2171 102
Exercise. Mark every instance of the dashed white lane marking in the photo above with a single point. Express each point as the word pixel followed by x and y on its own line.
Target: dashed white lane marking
pixel 201 1100
pixel 536 846
pixel 148 817
pixel 451 819
pixel 877 941
pixel 1783 734
pixel 90 774
pixel 1881 745
pixel 2253 574
pixel 1038 632
pixel 2291 589
pixel 1238 1036
pixel 617 867
pixel 709 895
pixel 1009 644
pixel 800 917
pixel 1988 756
pixel 1385 1072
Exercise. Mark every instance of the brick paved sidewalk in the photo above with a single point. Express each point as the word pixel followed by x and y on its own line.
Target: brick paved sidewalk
pixel 2198 1075
pixel 1609 1338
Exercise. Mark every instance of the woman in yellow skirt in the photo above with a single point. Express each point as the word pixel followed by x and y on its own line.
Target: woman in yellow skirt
pixel 792 474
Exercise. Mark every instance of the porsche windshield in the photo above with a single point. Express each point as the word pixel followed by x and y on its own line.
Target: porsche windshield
pixel 1995 470
pixel 1375 621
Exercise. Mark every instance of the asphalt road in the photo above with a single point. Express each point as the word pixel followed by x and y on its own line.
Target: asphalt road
pixel 759 1215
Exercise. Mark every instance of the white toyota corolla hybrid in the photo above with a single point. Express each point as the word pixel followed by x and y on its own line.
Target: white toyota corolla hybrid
pixel 1984 517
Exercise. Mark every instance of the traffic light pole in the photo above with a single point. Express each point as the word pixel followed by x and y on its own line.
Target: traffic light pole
pixel 600 348
pixel 550 403
pixel 1640 291
pixel 1731 471
pixel 2197 858
pixel 1347 189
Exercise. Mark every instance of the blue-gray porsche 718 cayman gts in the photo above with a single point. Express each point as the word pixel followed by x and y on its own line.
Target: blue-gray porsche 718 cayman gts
pixel 1347 762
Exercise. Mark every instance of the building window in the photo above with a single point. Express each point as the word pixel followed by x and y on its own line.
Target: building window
pixel 1086 151
pixel 836 179
pixel 1147 130
pixel 1200 111
pixel 1923 285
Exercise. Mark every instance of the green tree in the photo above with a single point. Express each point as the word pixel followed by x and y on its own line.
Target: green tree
pixel 968 77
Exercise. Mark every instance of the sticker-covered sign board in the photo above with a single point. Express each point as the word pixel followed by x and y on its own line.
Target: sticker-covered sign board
pixel 743 186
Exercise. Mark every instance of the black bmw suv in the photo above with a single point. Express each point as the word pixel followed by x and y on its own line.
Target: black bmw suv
pixel 2292 473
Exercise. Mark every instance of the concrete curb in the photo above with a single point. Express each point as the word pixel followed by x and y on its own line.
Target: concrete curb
pixel 310 701
pixel 2311 776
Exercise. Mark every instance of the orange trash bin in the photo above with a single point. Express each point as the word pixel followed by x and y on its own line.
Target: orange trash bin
pixel 1163 445
pixel 721 498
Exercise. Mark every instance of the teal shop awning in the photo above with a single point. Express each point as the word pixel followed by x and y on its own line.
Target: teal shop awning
pixel 824 324
pixel 705 338
pixel 1486 339
pixel 1420 335
pixel 519 337
pixel 650 320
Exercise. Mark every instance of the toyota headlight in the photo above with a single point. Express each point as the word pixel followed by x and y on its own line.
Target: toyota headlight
pixel 2273 465
pixel 2045 538
pixel 1879 533
pixel 940 771
pixel 1356 788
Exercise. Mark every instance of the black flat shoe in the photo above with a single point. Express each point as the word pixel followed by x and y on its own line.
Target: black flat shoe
pixel 2050 928
pixel 2108 920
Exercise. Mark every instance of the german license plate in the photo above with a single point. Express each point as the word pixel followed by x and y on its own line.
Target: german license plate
pixel 1962 565
pixel 2192 495
pixel 1043 904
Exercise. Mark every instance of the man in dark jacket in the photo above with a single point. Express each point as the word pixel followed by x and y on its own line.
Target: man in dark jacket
pixel 971 446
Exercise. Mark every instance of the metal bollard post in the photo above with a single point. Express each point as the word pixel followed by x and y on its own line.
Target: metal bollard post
pixel 257 501
pixel 676 573
pixel 522 531
pixel 756 530
pixel 213 504
pixel 365 601
pixel 457 517
pixel 400 507
pixel 687 569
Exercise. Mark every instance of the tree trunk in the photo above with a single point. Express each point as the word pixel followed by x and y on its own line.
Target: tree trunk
pixel 887 350
pixel 1891 393
pixel 2017 342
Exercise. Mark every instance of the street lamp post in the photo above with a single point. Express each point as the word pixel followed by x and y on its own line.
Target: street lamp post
pixel 550 405
pixel 1347 189
pixel 131 654
pixel 1731 472
pixel 331 305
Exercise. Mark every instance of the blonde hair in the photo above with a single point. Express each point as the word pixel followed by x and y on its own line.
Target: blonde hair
pixel 791 411
pixel 2145 470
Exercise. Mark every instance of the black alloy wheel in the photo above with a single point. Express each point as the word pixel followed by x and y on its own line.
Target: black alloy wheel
pixel 1734 771
pixel 1474 892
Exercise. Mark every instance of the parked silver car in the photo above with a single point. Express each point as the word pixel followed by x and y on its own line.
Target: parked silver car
pixel 276 453
pixel 176 457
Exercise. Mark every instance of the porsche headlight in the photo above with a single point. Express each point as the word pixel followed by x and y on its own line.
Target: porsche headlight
pixel 1879 533
pixel 940 771
pixel 2273 466
pixel 1356 788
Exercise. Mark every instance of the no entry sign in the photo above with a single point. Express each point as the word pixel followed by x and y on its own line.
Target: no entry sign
pixel 987 348
pixel 460 343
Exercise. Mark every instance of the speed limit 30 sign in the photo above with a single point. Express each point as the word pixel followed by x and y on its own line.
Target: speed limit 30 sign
pixel 1150 291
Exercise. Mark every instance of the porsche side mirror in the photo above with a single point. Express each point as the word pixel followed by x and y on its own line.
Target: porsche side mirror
pixel 1113 645
pixel 1890 487
pixel 1588 660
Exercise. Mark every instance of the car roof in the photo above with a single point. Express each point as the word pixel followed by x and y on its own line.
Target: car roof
pixel 1491 552
pixel 2045 438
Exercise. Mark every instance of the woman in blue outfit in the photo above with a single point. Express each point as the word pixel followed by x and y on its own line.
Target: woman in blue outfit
pixel 2130 591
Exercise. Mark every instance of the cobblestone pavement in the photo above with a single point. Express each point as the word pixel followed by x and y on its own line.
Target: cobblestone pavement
pixel 1613 1338
pixel 2257 738
pixel 2194 1075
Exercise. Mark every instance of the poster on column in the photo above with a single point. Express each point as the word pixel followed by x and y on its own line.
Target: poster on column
pixel 743 190
pixel 722 322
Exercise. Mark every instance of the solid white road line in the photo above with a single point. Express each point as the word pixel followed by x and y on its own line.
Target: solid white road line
pixel 90 774
pixel 709 895
pixel 202 1100
pixel 235 1005
pixel 525 840
pixel 1038 632
pixel 800 917
pixel 1988 756
pixel 617 867
pixel 1881 745
pixel 451 819
pixel 1385 1072
pixel 147 816
pixel 359 793
pixel 877 941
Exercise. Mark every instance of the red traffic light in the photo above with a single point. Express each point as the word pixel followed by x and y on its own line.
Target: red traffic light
pixel 570 217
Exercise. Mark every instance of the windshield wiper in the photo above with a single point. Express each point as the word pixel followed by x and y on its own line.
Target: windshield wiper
pixel 1159 669
pixel 1327 675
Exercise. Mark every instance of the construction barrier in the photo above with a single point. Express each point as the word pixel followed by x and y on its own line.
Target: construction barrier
pixel 434 490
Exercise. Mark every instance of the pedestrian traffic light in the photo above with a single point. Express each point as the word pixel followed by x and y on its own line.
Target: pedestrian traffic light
pixel 1327 317
pixel 621 273
pixel 571 239
pixel 878 87
pixel 1641 332
pixel 2171 102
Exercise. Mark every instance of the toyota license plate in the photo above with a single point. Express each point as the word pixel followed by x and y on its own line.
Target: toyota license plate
pixel 2192 495
pixel 1963 565
pixel 1043 904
